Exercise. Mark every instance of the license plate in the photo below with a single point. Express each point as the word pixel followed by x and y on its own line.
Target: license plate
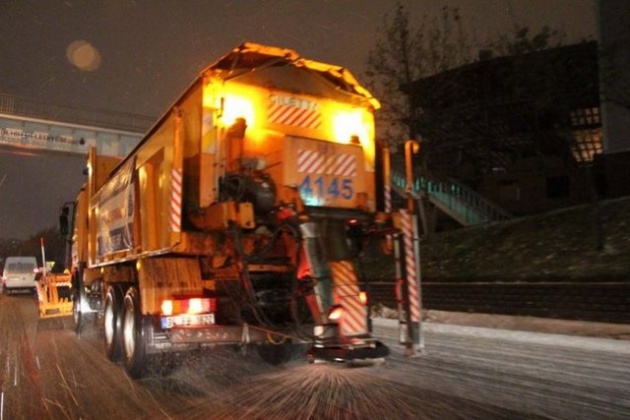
pixel 186 320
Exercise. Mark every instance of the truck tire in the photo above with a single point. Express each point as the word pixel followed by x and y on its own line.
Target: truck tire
pixel 134 344
pixel 112 317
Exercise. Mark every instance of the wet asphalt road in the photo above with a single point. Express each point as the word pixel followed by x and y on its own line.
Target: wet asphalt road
pixel 50 373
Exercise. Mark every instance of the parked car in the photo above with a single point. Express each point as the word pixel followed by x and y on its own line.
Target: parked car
pixel 19 274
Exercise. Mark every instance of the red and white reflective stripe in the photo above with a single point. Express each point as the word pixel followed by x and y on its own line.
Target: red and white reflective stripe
pixel 388 197
pixel 346 293
pixel 387 181
pixel 314 162
pixel 295 116
pixel 410 265
pixel 176 200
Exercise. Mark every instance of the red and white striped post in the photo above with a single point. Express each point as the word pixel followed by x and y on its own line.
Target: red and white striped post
pixel 414 340
pixel 411 284
pixel 387 180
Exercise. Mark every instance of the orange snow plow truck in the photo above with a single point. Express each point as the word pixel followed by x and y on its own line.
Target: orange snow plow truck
pixel 234 218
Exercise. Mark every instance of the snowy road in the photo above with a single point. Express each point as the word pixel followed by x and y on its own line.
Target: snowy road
pixel 47 372
pixel 549 375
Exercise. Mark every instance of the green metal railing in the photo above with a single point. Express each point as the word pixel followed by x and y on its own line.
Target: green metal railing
pixel 460 202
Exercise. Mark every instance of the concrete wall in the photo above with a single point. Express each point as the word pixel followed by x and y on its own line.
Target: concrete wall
pixel 536 185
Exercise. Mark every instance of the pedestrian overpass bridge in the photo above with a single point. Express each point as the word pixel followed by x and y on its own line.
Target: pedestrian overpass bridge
pixel 30 126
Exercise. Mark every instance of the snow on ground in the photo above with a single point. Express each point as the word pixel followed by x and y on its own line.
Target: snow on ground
pixel 439 319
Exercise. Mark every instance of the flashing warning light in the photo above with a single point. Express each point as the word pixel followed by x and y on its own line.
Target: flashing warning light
pixel 349 127
pixel 235 107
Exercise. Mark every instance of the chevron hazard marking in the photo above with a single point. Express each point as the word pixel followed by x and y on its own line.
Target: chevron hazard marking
pixel 346 293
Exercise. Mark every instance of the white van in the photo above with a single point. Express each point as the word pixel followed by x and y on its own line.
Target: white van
pixel 19 273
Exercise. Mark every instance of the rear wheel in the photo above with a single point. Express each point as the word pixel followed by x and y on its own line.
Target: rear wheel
pixel 133 338
pixel 112 314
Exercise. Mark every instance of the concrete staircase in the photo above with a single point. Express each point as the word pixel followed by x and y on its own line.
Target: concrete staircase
pixel 458 201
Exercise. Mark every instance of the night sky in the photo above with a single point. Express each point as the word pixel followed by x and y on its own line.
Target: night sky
pixel 138 56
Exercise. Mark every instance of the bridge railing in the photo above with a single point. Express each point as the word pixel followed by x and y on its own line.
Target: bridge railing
pixel 35 108
pixel 462 203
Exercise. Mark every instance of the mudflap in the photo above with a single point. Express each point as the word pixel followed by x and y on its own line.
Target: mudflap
pixel 368 351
